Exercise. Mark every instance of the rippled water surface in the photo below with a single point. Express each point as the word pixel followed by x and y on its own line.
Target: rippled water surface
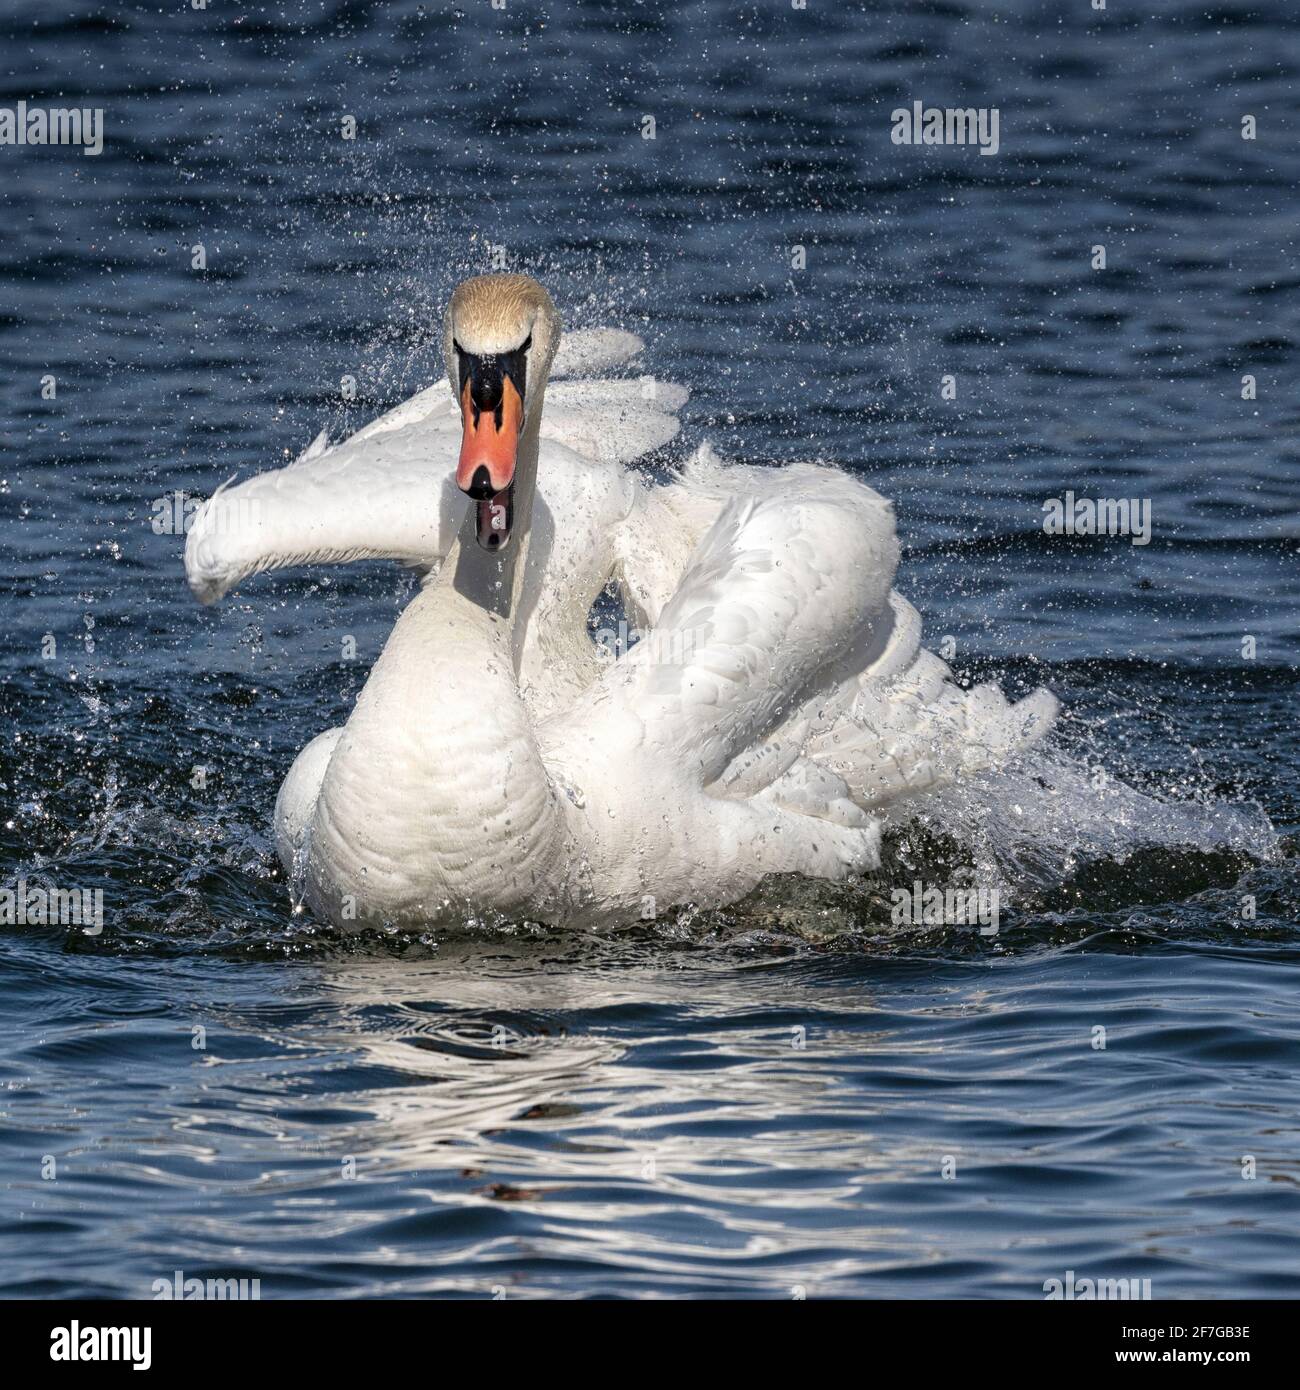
pixel 796 1094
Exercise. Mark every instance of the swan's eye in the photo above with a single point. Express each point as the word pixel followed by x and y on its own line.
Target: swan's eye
pixel 526 344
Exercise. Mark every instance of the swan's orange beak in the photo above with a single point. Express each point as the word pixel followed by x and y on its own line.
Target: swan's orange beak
pixel 490 441
pixel 488 446
pixel 492 413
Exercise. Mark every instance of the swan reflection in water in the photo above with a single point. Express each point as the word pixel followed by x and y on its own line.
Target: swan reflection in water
pixel 584 1096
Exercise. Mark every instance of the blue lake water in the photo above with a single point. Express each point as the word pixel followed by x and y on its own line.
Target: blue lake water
pixel 794 1096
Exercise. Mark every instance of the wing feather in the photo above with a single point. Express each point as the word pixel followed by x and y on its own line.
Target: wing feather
pixel 388 492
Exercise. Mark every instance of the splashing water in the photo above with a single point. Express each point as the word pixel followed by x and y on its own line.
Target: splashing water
pixel 1053 812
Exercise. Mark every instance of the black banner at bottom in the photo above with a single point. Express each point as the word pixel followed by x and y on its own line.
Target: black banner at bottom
pixel 218 1337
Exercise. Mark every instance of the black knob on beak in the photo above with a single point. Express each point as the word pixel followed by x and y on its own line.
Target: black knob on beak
pixel 480 487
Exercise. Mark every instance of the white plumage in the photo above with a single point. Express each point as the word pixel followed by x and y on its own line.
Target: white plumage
pixel 498 766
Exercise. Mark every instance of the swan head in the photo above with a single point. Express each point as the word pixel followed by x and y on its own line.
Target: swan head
pixel 500 334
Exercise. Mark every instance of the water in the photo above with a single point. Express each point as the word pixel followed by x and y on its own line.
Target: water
pixel 758 1101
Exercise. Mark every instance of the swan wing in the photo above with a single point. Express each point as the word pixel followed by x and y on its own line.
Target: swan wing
pixel 386 496
pixel 388 491
pixel 594 351
pixel 798 676
pixel 658 538
pixel 914 729
pixel 782 581
pixel 612 421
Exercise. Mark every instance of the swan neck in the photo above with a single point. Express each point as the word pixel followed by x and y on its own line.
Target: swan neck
pixel 493 579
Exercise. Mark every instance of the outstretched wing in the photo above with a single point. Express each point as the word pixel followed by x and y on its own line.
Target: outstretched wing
pixel 388 496
pixel 388 492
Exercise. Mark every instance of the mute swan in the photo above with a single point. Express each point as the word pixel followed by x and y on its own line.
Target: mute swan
pixel 494 766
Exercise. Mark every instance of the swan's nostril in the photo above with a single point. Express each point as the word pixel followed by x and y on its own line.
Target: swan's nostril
pixel 480 487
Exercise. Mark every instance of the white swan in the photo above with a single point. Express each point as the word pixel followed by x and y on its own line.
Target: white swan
pixel 493 766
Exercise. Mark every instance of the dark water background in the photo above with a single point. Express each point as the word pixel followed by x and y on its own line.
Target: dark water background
pixel 763 1100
